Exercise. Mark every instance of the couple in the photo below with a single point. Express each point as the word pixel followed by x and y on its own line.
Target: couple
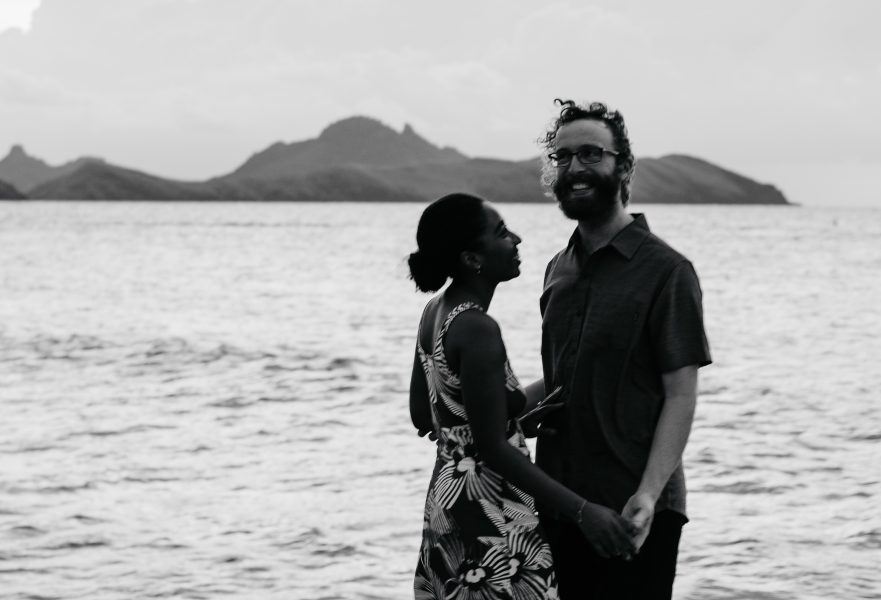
pixel 622 341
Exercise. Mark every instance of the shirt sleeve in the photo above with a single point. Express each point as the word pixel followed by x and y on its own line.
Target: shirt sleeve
pixel 676 322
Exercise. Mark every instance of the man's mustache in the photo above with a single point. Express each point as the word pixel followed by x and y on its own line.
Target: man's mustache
pixel 589 178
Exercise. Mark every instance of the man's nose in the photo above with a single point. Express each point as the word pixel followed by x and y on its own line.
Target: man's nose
pixel 576 166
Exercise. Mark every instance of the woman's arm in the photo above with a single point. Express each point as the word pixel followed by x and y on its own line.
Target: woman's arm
pixel 420 407
pixel 475 339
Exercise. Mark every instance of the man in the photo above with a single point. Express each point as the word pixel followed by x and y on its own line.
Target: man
pixel 622 333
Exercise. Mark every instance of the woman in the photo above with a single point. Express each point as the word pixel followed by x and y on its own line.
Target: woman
pixel 481 538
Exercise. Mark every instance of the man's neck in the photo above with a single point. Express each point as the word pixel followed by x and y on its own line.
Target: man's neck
pixel 595 235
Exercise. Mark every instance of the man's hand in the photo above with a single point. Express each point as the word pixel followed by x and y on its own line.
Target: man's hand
pixel 639 512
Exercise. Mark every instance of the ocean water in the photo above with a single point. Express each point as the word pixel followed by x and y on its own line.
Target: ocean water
pixel 210 400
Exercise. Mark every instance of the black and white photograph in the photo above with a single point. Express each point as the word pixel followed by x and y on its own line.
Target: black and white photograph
pixel 472 300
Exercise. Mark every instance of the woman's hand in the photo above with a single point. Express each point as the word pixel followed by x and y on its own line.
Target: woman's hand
pixel 608 533
pixel 530 421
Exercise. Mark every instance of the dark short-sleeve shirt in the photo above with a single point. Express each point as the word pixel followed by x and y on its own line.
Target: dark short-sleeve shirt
pixel 612 323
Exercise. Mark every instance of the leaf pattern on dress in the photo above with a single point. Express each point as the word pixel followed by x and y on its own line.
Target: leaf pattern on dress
pixel 522 496
pixel 530 559
pixel 486 579
pixel 495 515
pixel 519 516
pixel 427 585
pixel 463 469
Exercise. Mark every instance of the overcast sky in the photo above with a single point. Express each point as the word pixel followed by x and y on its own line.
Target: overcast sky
pixel 784 91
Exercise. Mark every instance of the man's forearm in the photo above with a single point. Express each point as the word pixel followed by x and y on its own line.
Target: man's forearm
pixel 672 430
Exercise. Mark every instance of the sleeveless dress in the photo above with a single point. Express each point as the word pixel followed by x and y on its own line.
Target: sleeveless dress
pixel 481 539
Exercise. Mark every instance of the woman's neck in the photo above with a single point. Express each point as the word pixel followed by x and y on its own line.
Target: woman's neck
pixel 471 288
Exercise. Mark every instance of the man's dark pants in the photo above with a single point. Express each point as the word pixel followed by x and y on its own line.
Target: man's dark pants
pixel 584 575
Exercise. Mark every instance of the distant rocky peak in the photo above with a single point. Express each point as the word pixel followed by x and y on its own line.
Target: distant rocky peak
pixel 410 133
pixel 356 127
pixel 19 156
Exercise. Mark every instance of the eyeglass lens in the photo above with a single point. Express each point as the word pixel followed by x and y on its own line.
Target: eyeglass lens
pixel 590 154
pixel 586 154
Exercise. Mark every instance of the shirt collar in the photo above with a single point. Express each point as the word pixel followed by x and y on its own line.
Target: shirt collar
pixel 626 242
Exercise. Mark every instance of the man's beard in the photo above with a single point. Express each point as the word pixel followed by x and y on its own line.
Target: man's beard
pixel 597 209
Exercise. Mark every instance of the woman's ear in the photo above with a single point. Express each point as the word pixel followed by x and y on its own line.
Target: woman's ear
pixel 470 260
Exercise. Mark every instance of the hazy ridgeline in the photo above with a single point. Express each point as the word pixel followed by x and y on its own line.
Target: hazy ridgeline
pixel 361 159
pixel 210 400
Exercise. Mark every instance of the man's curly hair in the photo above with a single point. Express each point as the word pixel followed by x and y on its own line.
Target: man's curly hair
pixel 596 111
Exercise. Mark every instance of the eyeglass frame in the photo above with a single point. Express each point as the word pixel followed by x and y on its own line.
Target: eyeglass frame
pixel 603 151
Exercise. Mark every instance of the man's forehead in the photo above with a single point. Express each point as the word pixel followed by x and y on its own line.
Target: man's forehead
pixel 584 131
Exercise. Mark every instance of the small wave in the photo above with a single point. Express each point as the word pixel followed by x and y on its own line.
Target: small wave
pixel 155 479
pixel 235 402
pixel 50 489
pixel 77 545
pixel 744 487
pixel 867 540
pixel 342 388
pixel 309 536
pixel 868 437
pixel 281 399
pixel 257 569
pixel 343 362
pixel 329 423
pixel 29 449
pixel 113 432
pixel 22 571
pixel 162 544
pixel 86 519
pixel 26 531
pixel 336 551
pixel 273 367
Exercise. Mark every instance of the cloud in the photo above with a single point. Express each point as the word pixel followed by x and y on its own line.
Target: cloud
pixel 17 14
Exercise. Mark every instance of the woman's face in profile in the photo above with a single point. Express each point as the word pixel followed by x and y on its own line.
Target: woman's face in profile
pixel 497 248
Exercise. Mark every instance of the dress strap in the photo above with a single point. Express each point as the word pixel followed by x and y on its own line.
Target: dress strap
pixel 457 310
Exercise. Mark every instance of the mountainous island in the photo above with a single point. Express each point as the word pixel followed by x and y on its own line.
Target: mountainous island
pixel 360 158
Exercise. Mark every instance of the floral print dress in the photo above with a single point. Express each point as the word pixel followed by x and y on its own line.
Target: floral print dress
pixel 481 539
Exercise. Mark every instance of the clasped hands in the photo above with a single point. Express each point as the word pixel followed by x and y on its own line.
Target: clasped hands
pixel 617 536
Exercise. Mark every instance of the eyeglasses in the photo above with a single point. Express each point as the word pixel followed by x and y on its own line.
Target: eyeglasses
pixel 587 154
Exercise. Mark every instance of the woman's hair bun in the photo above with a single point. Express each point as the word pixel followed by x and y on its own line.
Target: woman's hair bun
pixel 427 274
